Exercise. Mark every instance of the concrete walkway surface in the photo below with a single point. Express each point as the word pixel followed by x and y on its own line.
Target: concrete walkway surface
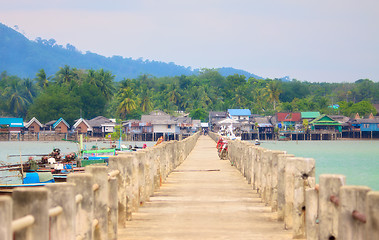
pixel 204 198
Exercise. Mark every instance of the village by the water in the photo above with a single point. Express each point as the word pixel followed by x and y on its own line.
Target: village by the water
pixel 137 157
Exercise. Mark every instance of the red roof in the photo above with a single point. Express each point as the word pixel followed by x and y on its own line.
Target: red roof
pixel 288 117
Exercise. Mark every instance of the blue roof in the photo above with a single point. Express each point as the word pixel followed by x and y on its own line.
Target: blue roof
pixel 12 122
pixel 60 120
pixel 239 112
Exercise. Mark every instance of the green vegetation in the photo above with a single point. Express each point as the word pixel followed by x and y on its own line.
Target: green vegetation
pixel 73 93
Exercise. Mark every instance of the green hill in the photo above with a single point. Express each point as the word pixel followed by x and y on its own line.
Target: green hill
pixel 24 58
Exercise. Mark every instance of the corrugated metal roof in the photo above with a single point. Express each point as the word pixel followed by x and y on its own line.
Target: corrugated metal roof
pixel 12 122
pixel 324 120
pixel 310 114
pixel 239 112
pixel 288 117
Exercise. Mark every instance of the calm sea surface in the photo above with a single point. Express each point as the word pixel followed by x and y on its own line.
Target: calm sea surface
pixel 40 147
pixel 357 160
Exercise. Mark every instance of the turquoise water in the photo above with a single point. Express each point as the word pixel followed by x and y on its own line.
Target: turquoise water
pixel 357 160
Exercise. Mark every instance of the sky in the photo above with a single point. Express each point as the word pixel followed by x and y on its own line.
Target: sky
pixel 309 40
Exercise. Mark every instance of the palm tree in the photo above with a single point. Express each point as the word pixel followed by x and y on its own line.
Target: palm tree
pixel 273 91
pixel 65 75
pixel 127 104
pixel 42 79
pixel 105 83
pixel 16 102
pixel 29 90
pixel 146 104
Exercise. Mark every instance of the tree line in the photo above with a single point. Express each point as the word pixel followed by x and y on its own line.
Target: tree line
pixel 72 93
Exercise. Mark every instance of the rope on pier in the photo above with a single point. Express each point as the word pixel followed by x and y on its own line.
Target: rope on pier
pixel 335 200
pixel 359 216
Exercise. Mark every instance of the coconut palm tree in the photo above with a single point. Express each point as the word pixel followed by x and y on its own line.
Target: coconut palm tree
pixel 65 75
pixel 127 103
pixel 146 104
pixel 42 79
pixel 29 90
pixel 273 91
pixel 105 83
pixel 16 102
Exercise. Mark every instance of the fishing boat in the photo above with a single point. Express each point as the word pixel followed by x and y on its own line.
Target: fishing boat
pixel 96 156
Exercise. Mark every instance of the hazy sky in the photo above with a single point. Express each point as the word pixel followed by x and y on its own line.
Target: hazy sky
pixel 323 40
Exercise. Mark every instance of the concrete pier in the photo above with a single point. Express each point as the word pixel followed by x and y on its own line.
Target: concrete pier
pixel 182 190
pixel 204 198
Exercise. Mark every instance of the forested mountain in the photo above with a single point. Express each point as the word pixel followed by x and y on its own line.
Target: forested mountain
pixel 24 58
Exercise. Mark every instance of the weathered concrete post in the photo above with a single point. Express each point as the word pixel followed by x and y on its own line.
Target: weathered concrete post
pixel 101 196
pixel 282 159
pixel 113 208
pixel 301 172
pixel 352 199
pixel 254 165
pixel 157 163
pixel 32 201
pixel 120 163
pixel 258 170
pixel 84 202
pixel 273 184
pixel 372 212
pixel 140 158
pixel 328 205
pixel 6 217
pixel 311 213
pixel 62 195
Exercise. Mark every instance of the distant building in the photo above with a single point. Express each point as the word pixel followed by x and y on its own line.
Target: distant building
pixel 33 126
pixel 325 122
pixel 309 115
pixel 287 119
pixel 81 126
pixel 101 126
pixel 366 125
pixel 14 125
pixel 215 117
pixel 61 126
pixel 239 114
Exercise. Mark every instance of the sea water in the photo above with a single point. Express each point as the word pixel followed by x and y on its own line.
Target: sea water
pixel 357 160
pixel 17 148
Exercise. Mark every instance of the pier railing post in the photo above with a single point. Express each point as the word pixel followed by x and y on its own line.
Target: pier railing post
pixel 328 205
pixel 352 199
pixel 121 163
pixel 311 213
pixel 32 201
pixel 372 213
pixel 273 180
pixel 258 170
pixel 282 159
pixel 301 173
pixel 113 208
pixel 84 198
pixel 62 195
pixel 101 196
pixel 140 158
pixel 6 217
